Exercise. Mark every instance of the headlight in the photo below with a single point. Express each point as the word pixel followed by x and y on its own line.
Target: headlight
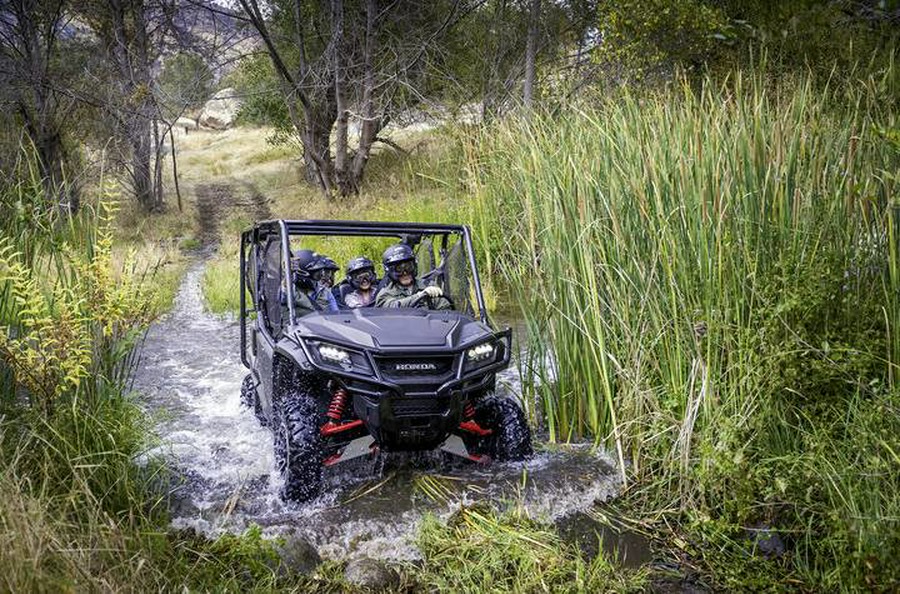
pixel 481 352
pixel 334 357
pixel 481 355
pixel 333 354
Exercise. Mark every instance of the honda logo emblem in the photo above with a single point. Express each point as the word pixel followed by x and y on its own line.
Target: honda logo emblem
pixel 415 367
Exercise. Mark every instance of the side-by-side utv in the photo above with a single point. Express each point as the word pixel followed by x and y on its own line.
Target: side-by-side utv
pixel 335 385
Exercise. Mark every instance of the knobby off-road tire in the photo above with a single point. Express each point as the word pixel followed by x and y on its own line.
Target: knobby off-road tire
pixel 298 446
pixel 511 436
pixel 250 398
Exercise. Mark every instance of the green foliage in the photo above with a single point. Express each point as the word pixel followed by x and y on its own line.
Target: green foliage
pixel 221 285
pixel 713 277
pixel 647 42
pixel 256 81
pixel 647 39
pixel 83 325
pixel 78 512
pixel 830 39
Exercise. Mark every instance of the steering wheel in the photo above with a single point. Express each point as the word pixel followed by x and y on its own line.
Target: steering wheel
pixel 445 296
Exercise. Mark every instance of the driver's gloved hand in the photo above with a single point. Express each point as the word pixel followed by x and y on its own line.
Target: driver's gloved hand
pixel 433 291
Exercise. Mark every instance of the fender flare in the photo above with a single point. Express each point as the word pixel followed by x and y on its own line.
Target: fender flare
pixel 292 351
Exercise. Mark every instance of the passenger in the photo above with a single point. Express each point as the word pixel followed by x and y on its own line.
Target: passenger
pixel 362 280
pixel 322 271
pixel 403 289
pixel 303 281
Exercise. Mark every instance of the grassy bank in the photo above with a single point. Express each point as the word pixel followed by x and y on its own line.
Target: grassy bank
pixel 714 275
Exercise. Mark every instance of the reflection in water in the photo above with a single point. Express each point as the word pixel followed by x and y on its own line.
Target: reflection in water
pixel 190 376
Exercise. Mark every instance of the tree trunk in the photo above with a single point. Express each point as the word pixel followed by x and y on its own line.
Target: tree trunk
pixel 128 44
pixel 370 125
pixel 141 174
pixel 313 125
pixel 175 167
pixel 158 142
pixel 36 102
pixel 534 15
pixel 342 175
pixel 50 153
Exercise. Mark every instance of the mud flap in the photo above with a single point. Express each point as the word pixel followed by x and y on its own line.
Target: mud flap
pixel 356 448
pixel 455 445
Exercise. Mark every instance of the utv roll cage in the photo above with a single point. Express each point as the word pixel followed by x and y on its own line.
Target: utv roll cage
pixel 285 229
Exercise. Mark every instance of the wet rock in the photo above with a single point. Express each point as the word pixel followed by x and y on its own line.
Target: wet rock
pixel 183 507
pixel 766 541
pixel 371 574
pixel 220 111
pixel 297 555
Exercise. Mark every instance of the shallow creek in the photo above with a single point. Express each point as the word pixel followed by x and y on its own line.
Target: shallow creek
pixel 189 378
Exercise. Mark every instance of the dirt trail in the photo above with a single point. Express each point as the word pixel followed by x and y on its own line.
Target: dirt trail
pixel 216 200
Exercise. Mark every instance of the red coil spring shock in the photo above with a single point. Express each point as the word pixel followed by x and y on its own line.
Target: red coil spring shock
pixel 337 406
pixel 469 425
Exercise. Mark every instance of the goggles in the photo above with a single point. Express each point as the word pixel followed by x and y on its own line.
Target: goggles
pixel 324 274
pixel 405 267
pixel 361 276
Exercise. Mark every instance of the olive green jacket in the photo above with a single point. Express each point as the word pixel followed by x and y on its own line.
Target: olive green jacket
pixel 395 295
pixel 303 304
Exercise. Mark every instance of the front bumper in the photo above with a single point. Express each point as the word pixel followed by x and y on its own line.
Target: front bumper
pixel 416 410
pixel 416 420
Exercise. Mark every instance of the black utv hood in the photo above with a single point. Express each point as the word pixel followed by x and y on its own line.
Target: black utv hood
pixel 393 328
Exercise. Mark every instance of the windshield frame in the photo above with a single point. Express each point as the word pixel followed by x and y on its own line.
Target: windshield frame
pixel 294 228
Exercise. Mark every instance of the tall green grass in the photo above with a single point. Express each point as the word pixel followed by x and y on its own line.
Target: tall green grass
pixel 712 276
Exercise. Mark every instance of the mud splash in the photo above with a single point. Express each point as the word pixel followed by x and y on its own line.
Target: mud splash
pixel 190 376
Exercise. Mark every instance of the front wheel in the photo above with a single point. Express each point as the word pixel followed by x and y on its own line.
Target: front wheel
pixel 510 437
pixel 298 447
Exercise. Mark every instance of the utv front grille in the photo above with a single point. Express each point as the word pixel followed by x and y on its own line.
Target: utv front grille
pixel 399 368
pixel 415 407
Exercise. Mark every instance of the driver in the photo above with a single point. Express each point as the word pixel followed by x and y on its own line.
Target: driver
pixel 403 289
pixel 329 268
pixel 361 276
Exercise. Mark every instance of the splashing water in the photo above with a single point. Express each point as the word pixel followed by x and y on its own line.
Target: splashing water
pixel 190 376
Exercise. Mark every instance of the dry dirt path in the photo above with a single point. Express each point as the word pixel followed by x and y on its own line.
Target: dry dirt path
pixel 215 200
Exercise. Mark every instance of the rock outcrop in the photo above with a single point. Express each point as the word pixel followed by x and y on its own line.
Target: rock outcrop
pixel 220 111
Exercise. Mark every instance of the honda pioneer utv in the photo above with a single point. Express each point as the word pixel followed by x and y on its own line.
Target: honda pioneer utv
pixel 335 385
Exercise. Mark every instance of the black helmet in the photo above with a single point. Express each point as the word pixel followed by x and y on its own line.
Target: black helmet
pixel 330 264
pixel 359 264
pixel 322 269
pixel 301 265
pixel 395 255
